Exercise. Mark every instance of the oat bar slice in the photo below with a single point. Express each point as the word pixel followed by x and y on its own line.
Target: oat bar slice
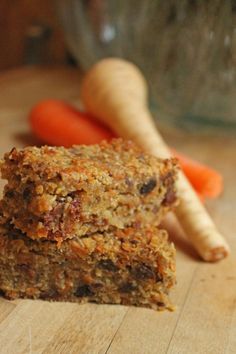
pixel 57 193
pixel 129 267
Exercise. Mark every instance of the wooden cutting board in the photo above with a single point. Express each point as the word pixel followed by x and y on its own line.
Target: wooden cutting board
pixel 205 319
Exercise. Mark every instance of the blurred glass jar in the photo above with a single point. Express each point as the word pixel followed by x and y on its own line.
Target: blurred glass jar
pixel 186 49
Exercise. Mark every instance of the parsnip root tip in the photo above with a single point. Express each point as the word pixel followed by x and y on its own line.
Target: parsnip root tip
pixel 216 254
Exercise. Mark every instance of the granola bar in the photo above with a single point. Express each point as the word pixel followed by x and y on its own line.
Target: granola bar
pixel 56 193
pixel 129 267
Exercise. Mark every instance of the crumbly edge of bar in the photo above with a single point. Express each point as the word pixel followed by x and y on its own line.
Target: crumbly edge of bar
pixel 94 168
pixel 71 216
pixel 131 267
pixel 46 162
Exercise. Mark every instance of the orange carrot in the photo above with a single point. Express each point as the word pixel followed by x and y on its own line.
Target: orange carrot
pixel 206 181
pixel 57 123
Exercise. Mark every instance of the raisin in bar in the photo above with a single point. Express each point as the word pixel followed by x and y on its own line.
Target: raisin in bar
pixel 57 193
pixel 129 267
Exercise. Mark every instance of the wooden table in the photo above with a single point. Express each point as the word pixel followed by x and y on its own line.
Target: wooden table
pixel 205 319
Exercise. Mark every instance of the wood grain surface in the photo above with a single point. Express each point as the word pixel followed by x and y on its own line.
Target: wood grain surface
pixel 205 295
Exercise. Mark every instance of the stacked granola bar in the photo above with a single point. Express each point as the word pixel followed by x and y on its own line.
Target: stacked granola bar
pixel 81 224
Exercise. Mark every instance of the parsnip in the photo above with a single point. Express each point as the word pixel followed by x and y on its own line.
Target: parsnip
pixel 115 92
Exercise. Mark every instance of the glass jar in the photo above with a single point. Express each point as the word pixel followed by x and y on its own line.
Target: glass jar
pixel 186 50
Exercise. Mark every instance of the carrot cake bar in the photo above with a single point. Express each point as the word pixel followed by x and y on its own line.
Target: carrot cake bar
pixel 135 266
pixel 56 193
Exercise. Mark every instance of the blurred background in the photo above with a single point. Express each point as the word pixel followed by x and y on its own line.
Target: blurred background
pixel 186 48
pixel 30 33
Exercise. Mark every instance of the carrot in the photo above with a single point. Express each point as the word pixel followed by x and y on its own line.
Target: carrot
pixel 206 181
pixel 57 123
pixel 53 121
pixel 115 91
